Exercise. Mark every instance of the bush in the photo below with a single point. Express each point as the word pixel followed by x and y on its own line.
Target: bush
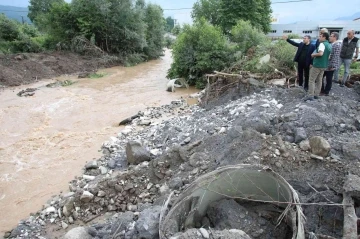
pixel 169 41
pixel 246 36
pixel 199 49
pixel 9 29
pixel 25 45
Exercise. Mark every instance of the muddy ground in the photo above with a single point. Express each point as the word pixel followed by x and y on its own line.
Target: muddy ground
pixel 314 145
pixel 19 69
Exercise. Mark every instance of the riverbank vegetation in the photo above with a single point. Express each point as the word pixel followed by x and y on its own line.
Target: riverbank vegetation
pixel 131 30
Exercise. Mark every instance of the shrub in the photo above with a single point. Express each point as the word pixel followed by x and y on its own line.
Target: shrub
pixel 199 49
pixel 246 36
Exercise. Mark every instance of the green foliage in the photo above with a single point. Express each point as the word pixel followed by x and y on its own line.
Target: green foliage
pixel 67 83
pixel 355 65
pixel 154 31
pixel 37 8
pixel 97 75
pixel 176 30
pixel 169 24
pixel 246 36
pixel 9 29
pixel 199 49
pixel 169 41
pixel 226 13
pixel 294 36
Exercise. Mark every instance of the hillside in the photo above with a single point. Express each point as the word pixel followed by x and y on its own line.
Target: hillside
pixel 17 13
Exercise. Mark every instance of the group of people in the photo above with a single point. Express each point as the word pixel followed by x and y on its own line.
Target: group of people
pixel 324 59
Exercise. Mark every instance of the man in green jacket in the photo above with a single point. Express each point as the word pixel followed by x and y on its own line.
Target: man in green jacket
pixel 320 63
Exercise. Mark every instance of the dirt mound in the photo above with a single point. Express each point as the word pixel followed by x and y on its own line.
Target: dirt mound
pixel 27 68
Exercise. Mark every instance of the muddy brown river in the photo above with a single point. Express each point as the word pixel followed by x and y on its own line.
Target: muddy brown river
pixel 46 139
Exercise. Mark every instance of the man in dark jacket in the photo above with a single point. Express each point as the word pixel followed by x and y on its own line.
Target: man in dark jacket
pixel 303 58
pixel 350 45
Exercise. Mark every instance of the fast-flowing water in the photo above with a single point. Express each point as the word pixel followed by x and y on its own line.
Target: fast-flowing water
pixel 46 139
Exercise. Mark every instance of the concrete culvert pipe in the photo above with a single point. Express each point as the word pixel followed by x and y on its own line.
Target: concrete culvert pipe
pixel 246 199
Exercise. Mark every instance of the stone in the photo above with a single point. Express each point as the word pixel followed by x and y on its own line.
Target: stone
pixel 197 158
pixel 305 145
pixel 68 206
pixel 86 196
pixel 135 153
pixel 50 210
pixel 351 150
pixel 352 185
pixel 187 140
pixel 71 220
pixel 103 170
pixel 131 207
pixel 111 164
pixel 147 226
pixel 145 122
pixel 319 146
pixel 300 135
pixel 176 183
pixel 314 156
pixel 88 177
pixel 64 225
pixel 101 194
pixel 91 165
pixel 78 233
pixel 123 221
pixel 292 116
pixel 204 233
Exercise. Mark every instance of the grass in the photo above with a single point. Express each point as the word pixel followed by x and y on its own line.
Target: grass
pixel 354 69
pixel 97 75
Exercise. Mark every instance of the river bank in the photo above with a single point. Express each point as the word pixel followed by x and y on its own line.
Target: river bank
pixel 47 138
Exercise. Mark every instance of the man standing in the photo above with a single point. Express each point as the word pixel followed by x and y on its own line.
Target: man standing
pixel 322 30
pixel 349 45
pixel 320 63
pixel 303 58
pixel 334 63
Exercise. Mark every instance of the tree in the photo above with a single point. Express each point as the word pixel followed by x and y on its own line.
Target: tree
pixel 39 7
pixel 169 24
pixel 199 49
pixel 226 13
pixel 154 31
pixel 176 30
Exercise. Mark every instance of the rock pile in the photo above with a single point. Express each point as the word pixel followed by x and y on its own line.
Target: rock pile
pixel 312 145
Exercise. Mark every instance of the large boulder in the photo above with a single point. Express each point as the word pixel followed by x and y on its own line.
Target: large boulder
pixel 147 226
pixel 136 153
pixel 352 185
pixel 319 146
pixel 78 233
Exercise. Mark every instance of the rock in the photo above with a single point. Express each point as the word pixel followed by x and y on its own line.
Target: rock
pixel 78 233
pixel 131 207
pixel 147 226
pixel 314 156
pixel 357 123
pixel 50 210
pixel 319 146
pixel 103 170
pixel 352 185
pixel 135 153
pixel 290 116
pixel 351 150
pixel 289 139
pixel 145 122
pixel 91 165
pixel 84 75
pixel 300 135
pixel 155 152
pixel 187 140
pixel 111 164
pixel 88 177
pixel 305 145
pixel 197 158
pixel 71 220
pixel 68 206
pixel 101 194
pixel 122 222
pixel 176 183
pixel 204 233
pixel 86 196
pixel 64 225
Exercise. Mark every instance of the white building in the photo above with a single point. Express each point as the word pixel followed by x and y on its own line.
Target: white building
pixel 312 28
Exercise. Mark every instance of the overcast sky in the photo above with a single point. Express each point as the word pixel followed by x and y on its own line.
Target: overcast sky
pixel 285 12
